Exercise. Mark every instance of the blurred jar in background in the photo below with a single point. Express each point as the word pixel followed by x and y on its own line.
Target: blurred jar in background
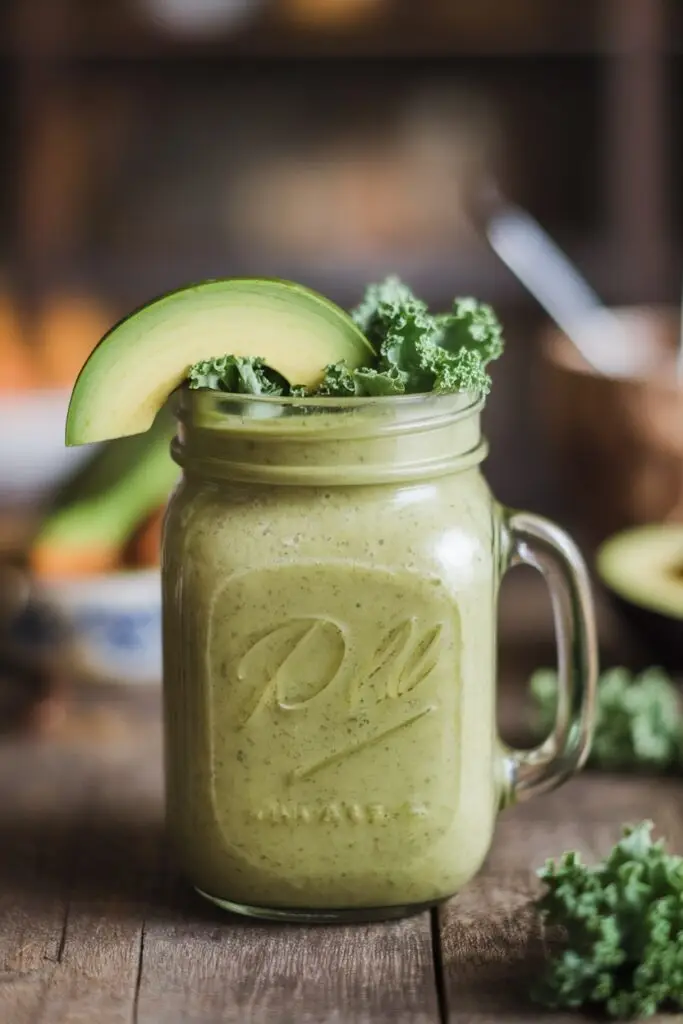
pixel 617 441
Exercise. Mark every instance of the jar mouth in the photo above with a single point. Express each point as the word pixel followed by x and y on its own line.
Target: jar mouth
pixel 354 440
pixel 215 409
pixel 466 399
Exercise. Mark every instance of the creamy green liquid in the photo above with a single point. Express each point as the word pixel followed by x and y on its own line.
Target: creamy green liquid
pixel 329 688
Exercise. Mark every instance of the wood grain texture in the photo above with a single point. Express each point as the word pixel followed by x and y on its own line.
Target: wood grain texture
pixel 77 841
pixel 35 836
pixel 491 945
pixel 95 928
pixel 200 968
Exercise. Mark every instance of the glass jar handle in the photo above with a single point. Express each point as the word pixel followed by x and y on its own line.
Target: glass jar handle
pixel 532 540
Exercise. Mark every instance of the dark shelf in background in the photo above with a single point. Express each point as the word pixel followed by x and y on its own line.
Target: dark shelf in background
pixel 80 29
pixel 133 279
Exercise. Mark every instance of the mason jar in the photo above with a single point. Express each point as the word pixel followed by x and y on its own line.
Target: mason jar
pixel 330 583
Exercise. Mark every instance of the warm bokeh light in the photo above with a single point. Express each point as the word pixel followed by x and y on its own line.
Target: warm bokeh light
pixel 331 14
pixel 46 348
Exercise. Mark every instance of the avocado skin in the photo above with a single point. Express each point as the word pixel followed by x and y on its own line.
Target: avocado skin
pixel 659 636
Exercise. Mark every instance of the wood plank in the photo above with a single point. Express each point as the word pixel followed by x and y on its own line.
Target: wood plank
pixel 81 840
pixel 114 869
pixel 21 995
pixel 491 950
pixel 491 946
pixel 41 794
pixel 586 814
pixel 199 967
pixel 96 929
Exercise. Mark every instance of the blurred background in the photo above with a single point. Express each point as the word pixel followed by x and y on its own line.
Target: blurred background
pixel 147 143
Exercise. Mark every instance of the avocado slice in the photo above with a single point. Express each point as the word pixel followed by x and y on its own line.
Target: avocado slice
pixel 643 570
pixel 95 513
pixel 131 372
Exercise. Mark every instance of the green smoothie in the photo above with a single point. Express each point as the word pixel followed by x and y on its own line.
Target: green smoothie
pixel 330 598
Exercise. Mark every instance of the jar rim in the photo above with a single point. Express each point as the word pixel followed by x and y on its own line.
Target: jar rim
pixel 272 439
pixel 463 402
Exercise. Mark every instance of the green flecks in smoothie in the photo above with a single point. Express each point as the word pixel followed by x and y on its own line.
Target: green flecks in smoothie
pixel 416 352
pixel 306 780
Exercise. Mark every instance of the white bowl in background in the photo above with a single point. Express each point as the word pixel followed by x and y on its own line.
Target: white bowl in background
pixel 114 621
pixel 33 456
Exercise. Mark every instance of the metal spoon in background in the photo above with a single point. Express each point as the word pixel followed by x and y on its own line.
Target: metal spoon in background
pixel 541 266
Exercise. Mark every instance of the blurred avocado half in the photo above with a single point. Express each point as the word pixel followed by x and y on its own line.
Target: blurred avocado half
pixel 93 515
pixel 643 570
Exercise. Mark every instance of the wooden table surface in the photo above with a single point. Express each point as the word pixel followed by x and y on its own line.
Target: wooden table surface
pixel 97 928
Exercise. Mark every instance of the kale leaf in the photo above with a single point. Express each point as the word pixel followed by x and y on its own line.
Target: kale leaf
pixel 638 718
pixel 463 371
pixel 474 326
pixel 445 353
pixel 338 382
pixel 341 382
pixel 242 375
pixel 384 307
pixel 622 922
pixel 380 382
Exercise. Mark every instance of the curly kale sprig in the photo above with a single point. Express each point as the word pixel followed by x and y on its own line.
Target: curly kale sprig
pixel 241 375
pixel 638 718
pixel 622 922
pixel 473 326
pixel 384 306
pixel 415 352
